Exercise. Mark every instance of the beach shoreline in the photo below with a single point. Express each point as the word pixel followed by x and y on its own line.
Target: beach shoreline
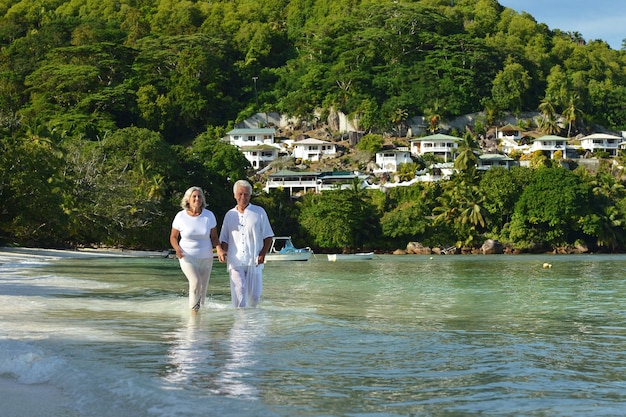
pixel 17 253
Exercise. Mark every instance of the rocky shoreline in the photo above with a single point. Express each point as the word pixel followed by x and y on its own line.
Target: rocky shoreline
pixel 489 247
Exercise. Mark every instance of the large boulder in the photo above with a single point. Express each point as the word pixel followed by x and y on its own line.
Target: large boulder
pixel 416 248
pixel 491 247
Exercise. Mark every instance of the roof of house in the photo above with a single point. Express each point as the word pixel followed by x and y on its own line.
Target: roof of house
pixel 259 131
pixel 260 147
pixel 289 173
pixel 311 141
pixel 552 137
pixel 393 151
pixel 601 136
pixel 436 137
pixel 494 157
pixel 510 128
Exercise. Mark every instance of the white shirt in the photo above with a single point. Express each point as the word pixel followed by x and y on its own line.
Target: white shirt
pixel 195 233
pixel 244 233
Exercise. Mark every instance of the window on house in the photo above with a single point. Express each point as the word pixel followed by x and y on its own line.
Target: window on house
pixel 251 138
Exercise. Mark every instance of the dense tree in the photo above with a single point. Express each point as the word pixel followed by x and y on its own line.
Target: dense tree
pixel 502 188
pixel 31 207
pixel 409 221
pixel 510 87
pixel 558 219
pixel 370 143
pixel 339 219
pixel 118 187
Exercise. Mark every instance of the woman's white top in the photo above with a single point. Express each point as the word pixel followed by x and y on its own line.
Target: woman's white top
pixel 195 233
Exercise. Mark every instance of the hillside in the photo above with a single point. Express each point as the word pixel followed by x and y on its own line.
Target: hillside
pixel 109 110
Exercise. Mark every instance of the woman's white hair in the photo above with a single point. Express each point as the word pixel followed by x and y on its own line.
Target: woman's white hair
pixel 184 203
pixel 242 183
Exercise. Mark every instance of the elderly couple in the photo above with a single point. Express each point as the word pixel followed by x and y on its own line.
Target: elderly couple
pixel 244 240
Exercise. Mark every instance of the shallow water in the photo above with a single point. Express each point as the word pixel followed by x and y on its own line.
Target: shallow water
pixel 395 336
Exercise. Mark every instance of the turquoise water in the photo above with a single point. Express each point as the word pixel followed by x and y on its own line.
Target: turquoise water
pixel 395 336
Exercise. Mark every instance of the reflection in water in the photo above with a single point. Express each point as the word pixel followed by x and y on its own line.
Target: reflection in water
pixel 218 356
pixel 242 355
pixel 189 353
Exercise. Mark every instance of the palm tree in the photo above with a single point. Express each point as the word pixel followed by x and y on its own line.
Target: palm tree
pixel 571 113
pixel 546 107
pixel 466 160
pixel 548 123
pixel 433 116
pixel 406 171
pixel 460 207
pixel 398 118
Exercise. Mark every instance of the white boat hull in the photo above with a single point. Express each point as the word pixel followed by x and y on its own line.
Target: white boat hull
pixel 282 249
pixel 334 257
pixel 297 256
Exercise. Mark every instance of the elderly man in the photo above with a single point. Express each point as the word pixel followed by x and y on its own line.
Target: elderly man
pixel 245 238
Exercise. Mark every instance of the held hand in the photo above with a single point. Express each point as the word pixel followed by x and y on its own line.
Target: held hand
pixel 260 259
pixel 179 253
pixel 221 253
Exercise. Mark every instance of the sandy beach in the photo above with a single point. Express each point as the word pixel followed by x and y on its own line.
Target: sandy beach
pixel 10 254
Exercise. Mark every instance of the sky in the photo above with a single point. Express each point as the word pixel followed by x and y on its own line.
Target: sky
pixel 593 19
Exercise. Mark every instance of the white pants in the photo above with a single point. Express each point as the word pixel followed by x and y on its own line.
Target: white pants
pixel 246 284
pixel 198 272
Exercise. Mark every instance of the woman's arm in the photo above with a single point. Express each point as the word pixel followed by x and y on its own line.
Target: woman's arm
pixel 174 235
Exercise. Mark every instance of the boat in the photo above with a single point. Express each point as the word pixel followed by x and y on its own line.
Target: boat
pixel 334 257
pixel 282 249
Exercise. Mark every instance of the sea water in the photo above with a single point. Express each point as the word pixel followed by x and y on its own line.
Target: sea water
pixel 394 336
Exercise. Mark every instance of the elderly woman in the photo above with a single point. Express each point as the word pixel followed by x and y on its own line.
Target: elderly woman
pixel 246 236
pixel 193 236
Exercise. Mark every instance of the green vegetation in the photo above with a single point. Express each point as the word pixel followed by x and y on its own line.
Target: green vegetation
pixel 109 110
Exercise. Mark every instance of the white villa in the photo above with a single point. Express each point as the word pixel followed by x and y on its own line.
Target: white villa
pixel 311 149
pixel 439 145
pixel 436 172
pixel 307 181
pixel 509 132
pixel 509 138
pixel 602 142
pixel 256 144
pixel 260 156
pixel 490 160
pixel 250 137
pixel 550 144
pixel 294 181
pixel 389 160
